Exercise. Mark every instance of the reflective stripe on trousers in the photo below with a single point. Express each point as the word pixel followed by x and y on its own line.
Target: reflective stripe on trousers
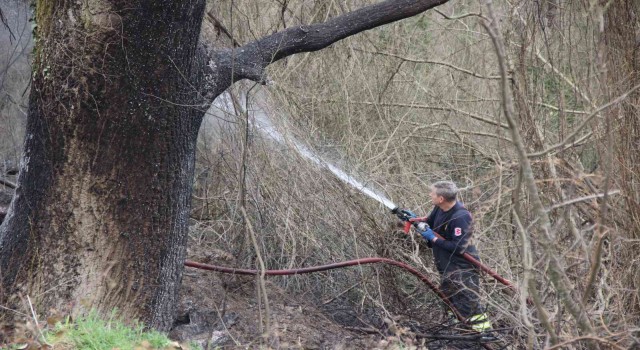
pixel 480 322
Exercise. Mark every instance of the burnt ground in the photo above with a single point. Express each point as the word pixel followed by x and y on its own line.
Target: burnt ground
pixel 222 311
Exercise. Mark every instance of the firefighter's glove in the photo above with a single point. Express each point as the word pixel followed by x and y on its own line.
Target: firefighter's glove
pixel 425 231
pixel 409 213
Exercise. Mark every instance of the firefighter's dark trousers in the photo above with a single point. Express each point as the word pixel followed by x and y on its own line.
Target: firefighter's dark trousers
pixel 461 287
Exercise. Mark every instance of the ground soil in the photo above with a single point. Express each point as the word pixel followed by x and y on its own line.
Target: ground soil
pixel 224 311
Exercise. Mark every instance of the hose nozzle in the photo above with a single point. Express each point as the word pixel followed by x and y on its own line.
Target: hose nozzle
pixel 400 214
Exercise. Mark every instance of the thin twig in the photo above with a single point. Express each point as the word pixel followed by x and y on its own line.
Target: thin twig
pixel 397 104
pixel 341 293
pixel 465 15
pixel 218 25
pixel 582 199
pixel 15 311
pixel 8 183
pixel 584 123
pixel 420 106
pixel 586 337
pixel 602 232
pixel 558 109
pixel 415 60
pixel 565 78
pixel 263 268
pixel 35 320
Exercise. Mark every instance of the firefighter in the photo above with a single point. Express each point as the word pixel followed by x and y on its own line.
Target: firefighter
pixel 459 279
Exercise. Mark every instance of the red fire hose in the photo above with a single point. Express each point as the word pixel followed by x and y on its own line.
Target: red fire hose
pixel 475 262
pixel 362 261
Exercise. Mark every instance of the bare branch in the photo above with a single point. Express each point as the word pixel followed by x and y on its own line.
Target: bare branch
pixel 5 23
pixel 582 199
pixel 584 123
pixel 565 78
pixel 7 183
pixel 467 132
pixel 409 105
pixel 530 285
pixel 260 278
pixel 250 60
pixel 557 274
pixel 557 109
pixel 465 15
pixel 220 27
pixel 415 60
pixel 611 344
pixel 421 106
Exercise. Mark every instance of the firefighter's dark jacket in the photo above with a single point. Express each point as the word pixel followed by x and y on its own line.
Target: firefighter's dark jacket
pixel 456 226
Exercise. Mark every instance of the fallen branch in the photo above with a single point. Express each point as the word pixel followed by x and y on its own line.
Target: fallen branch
pixel 366 330
pixel 470 337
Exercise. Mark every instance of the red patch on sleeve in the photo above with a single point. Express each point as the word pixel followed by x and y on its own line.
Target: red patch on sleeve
pixel 458 231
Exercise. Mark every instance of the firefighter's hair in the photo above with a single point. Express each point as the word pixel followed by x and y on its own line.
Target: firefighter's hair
pixel 447 189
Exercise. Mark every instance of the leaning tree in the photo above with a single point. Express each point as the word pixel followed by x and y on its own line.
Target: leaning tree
pixel 99 218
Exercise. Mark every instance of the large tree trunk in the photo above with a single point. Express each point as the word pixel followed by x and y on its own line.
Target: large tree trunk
pixel 101 208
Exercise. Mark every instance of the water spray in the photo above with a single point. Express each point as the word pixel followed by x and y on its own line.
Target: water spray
pixel 264 124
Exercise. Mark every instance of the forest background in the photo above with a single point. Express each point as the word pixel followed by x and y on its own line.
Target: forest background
pixel 407 104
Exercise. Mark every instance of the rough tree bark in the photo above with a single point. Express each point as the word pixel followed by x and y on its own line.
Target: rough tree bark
pixel 119 89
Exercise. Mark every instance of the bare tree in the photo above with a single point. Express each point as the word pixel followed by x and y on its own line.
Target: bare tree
pixel 118 94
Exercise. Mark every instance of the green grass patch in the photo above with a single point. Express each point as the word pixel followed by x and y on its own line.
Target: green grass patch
pixel 93 332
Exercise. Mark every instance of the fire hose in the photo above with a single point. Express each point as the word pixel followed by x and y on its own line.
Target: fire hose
pixel 364 261
pixel 355 262
pixel 408 222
